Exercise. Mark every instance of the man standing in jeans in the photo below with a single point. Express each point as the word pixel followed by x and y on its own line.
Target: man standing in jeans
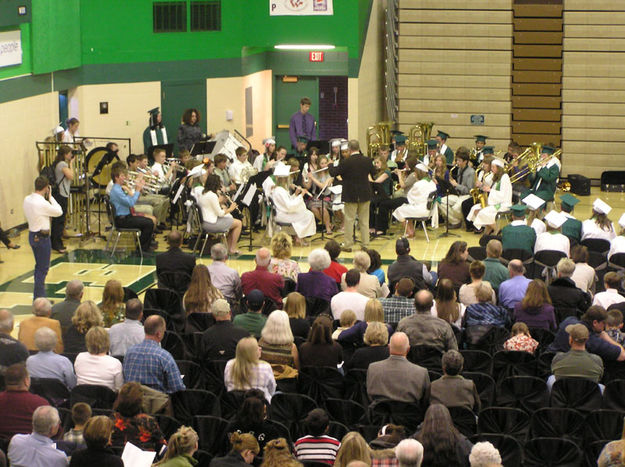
pixel 355 171
pixel 38 208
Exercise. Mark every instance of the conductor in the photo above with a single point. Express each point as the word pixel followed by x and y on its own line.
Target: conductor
pixel 355 171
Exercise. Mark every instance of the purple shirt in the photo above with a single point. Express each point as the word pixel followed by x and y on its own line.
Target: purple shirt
pixel 542 317
pixel 316 284
pixel 512 291
pixel 301 125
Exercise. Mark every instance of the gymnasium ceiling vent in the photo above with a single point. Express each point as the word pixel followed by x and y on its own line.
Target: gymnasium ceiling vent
pixel 170 16
pixel 206 16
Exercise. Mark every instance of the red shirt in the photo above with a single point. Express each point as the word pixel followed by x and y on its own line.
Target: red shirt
pixel 335 271
pixel 267 282
pixel 17 409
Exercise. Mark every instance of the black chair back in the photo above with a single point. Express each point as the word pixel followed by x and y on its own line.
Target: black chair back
pixel 528 393
pixel 576 393
pixel 321 382
pixel 603 424
pixel 599 245
pixel 552 451
pixel 464 419
pixel 426 356
pixel 407 414
pixel 513 363
pixel 174 344
pixel 485 386
pixel 506 420
pixel 191 402
pixel 345 411
pixel 555 422
pixel 316 306
pixel 477 253
pixel 98 397
pixel 477 360
pixel 212 434
pixel 177 281
pixel 51 389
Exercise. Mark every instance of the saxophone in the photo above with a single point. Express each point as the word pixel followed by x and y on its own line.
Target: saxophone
pixel 476 193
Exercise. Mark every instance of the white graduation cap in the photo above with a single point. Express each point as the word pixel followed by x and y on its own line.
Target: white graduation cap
pixel 533 202
pixel 281 170
pixel 424 168
pixel 498 163
pixel 555 219
pixel 344 146
pixel 197 171
pixel 336 142
pixel 601 207
pixel 268 141
pixel 621 221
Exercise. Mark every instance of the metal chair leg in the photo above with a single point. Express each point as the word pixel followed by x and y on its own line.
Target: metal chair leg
pixel 425 231
pixel 204 245
pixel 197 242
pixel 108 239
pixel 119 234
pixel 138 239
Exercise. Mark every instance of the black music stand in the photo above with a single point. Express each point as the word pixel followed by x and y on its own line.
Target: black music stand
pixel 321 144
pixel 448 189
pixel 258 179
pixel 202 148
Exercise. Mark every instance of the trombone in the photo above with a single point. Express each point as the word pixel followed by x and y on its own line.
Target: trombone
pixel 151 182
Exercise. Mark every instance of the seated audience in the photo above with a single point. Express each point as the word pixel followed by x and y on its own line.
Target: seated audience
pixel 373 313
pixel 315 283
pixel 496 273
pixel 356 452
pixel 369 285
pixel 535 309
pixel 513 290
pixel 317 445
pixel 132 424
pixel 46 363
pixel 577 362
pixel 281 262
pixel 180 449
pixel 278 347
pixel 336 269
pixel 112 306
pixel 246 370
pixel 252 418
pixel 63 311
pixel 613 453
pixel 174 260
pixel 295 307
pixel 454 265
pixel 86 316
pixel 614 325
pixel 130 331
pixel 348 320
pixel 521 339
pixel 401 304
pixel 375 266
pixel 253 321
pixel 350 298
pixel 97 436
pixel 566 298
pixel 17 404
pixel 11 350
pixel 38 448
pixel 320 349
pixel 451 389
pixel 219 342
pixel 376 347
pixel 612 282
pixel 407 266
pixel 261 278
pixel 96 366
pixel 226 279
pixel 389 436
pixel 42 310
pixel 467 292
pixel 201 292
pixel 484 312
pixel 81 412
pixel 446 306
pixel 484 454
pixel 584 276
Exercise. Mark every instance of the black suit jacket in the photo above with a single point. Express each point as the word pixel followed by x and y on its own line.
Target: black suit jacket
pixel 355 171
pixel 175 260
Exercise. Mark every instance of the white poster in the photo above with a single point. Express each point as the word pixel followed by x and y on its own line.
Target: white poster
pixel 300 7
pixel 10 48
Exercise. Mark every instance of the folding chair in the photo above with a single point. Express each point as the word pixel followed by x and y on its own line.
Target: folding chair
pixel 212 434
pixel 551 452
pixel 191 402
pixel 51 389
pixel 524 392
pixel 197 225
pixel 423 220
pixel 547 259
pixel 576 393
pixel 98 397
pixel 110 212
pixel 505 420
pixel 556 422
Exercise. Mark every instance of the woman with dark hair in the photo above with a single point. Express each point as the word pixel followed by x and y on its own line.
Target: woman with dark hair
pixel 382 190
pixel 252 418
pixel 63 167
pixel 599 225
pixel 454 265
pixel 201 293
pixel 443 445
pixel 70 135
pixel 336 269
pixel 584 276
pixel 375 268
pixel 215 218
pixel 97 435
pixel 466 294
pixel 190 131
pixel 131 424
pixel 446 305
pixel 536 309
pixel 320 349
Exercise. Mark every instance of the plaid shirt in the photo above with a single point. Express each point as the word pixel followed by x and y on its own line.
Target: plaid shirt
pixel 385 462
pixel 396 308
pixel 261 377
pixel 486 314
pixel 149 364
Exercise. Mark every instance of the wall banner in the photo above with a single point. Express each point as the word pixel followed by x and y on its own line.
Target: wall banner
pixel 10 48
pixel 300 7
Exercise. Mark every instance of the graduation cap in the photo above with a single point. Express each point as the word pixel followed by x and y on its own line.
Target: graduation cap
pixel 518 210
pixel 481 138
pixel 533 202
pixel 155 111
pixel 302 139
pixel 486 150
pixel 344 145
pixel 422 167
pixel 568 201
pixel 601 207
pixel 268 141
pixel 555 219
pixel 547 150
pixel 442 134
pixel 281 170
pixel 432 144
pixel 621 221
pixel 400 139
pixel 498 162
pixel 397 132
pixel 335 142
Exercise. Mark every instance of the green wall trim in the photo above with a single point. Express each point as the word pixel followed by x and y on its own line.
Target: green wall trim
pixel 24 86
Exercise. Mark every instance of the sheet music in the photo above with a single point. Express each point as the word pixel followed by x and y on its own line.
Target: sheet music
pixel 178 193
pixel 249 196
pixel 238 193
pixel 135 457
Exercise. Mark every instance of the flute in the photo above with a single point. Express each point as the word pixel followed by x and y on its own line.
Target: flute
pixel 227 198
pixel 319 170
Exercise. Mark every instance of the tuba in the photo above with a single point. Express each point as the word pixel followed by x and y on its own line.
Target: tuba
pixel 378 135
pixel 418 138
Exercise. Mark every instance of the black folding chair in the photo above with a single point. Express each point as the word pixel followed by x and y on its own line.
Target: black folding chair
pixel 552 452
pixel 199 322
pixel 613 395
pixel 168 300
pixel 337 430
pixel 51 389
pixel 603 424
pixel 356 386
pixel 191 402
pixel 426 356
pixel 408 414
pixel 203 458
pixel 316 306
pixel 321 382
pixel 576 393
pixel 485 386
pixel 525 256
pixel 477 253
pixel 168 425
pixel 174 344
pixel 547 259
pixel 98 397
pixel 177 281
pixel 345 411
pixel 528 393
pixel 192 374
pixel 513 363
pixel 290 409
pixel 555 422
pixel 544 338
pixel 464 419
pixel 506 420
pixel 212 434
pixel 599 245
pixel 477 360
pixel 231 402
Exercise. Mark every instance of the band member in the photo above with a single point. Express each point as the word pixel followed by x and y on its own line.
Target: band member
pixel 266 160
pixel 572 228
pixel 462 187
pixel 483 178
pixel 165 176
pixel 400 153
pixel 617 245
pixel 553 239
pixel 517 234
pixel 599 226
pixel 545 180
pixel 300 149
pixel 38 207
pixel 335 150
pixel 382 184
pixel 292 209
pixel 417 199
pixel 385 153
pixel 440 175
pixel 517 170
pixel 215 217
pixel 477 154
pixel 499 199
pixel 311 164
pixel 71 133
pixel 64 174
pixel 445 150
pixel 319 181
pixel 428 159
pixel 159 203
pixel 508 156
pixel 221 169
pixel 155 134
pixel 344 152
pixel 190 131
pixel 123 200
pixel 240 169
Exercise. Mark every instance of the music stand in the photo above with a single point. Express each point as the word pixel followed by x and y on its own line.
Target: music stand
pixel 448 188
pixel 257 179
pixel 321 144
pixel 202 148
pixel 169 150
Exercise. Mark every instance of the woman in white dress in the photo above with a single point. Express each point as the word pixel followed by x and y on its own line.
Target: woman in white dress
pixel 618 243
pixel 292 209
pixel 499 199
pixel 417 199
pixel 214 217
pixel 599 226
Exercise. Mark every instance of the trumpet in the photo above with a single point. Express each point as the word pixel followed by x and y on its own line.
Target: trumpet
pixel 149 177
pixel 169 163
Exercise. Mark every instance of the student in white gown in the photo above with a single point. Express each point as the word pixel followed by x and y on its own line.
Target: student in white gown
pixel 553 239
pixel 291 208
pixel 417 198
pixel 599 226
pixel 499 199
pixel 617 245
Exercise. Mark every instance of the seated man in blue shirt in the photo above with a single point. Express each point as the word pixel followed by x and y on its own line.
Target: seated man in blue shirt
pixel 123 199
pixel 598 343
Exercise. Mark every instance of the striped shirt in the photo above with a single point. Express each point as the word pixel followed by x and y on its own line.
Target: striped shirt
pixel 317 449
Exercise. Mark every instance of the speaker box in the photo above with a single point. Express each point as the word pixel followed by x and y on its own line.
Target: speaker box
pixel 580 185
pixel 613 180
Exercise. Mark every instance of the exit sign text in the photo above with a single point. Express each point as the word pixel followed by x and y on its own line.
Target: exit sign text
pixel 315 56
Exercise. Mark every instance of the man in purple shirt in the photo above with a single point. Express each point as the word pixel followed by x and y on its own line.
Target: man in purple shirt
pixel 513 290
pixel 315 283
pixel 302 124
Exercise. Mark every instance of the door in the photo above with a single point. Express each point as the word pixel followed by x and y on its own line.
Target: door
pixel 286 97
pixel 176 97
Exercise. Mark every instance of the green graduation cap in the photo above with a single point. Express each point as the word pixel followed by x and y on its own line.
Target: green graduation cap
pixel 302 139
pixel 568 201
pixel 432 144
pixel 481 138
pixel 547 150
pixel 518 210
pixel 442 134
pixel 486 150
pixel 397 132
pixel 155 111
pixel 400 139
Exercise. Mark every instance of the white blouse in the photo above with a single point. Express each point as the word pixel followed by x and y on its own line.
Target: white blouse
pixel 209 205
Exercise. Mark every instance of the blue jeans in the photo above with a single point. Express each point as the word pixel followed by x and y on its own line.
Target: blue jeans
pixel 41 249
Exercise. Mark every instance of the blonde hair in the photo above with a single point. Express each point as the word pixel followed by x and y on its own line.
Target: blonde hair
pixel 278 454
pixel 242 441
pixel 97 431
pixel 112 299
pixel 86 316
pixel 376 334
pixel 277 329
pixel 374 311
pixel 295 305
pixel 362 261
pixel 246 357
pixel 97 340
pixel 348 318
pixel 183 441
pixel 353 448
pixel 281 245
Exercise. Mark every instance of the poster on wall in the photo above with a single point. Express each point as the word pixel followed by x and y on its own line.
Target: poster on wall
pixel 10 48
pixel 300 7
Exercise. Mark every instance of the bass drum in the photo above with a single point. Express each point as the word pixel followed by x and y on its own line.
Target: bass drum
pixel 99 163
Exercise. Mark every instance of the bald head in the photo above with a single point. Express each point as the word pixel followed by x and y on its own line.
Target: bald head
pixel 409 453
pixel 42 307
pixel 6 321
pixel 74 289
pixel 399 345
pixel 154 327
pixel 263 257
pixel 423 301
pixel 516 267
pixel 174 239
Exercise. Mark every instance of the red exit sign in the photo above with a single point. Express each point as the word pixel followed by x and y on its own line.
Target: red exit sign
pixel 315 56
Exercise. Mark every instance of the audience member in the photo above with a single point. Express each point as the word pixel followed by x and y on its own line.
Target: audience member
pixel 613 326
pixel 467 292
pixel 389 436
pixel 612 282
pixel 396 378
pixel 37 449
pixel 451 389
pixel 17 404
pixel 269 283
pixel 252 418
pixel 281 262
pixel 513 290
pixel 484 312
pixel 577 362
pixel 315 283
pixel 278 346
pixel 407 266
pixel 424 329
pixel 584 276
pixel 368 285
pixel 484 454
pixel 201 292
pixel 454 265
pixel 97 436
pixel 521 339
pixel 42 309
pixel 613 453
pixel 96 366
pixel 536 309
pixel 174 260
pixel 180 449
pixel 320 349
pixel 253 321
pixel 226 279
pixel 373 313
pixel 446 306
pixel 46 363
pixel 375 265
pixel 149 364
pixel 11 350
pixel 348 319
pixel 81 412
pixel 129 332
pixel 112 306
pixel 63 311
pixel 566 298
pixel 317 445
pixel 400 304
pixel 86 316
pixel 219 342
pixel 277 453
pixel 355 452
pixel 349 298
pixel 336 269
pixel 295 307
pixel 496 273
pixel 132 424
pixel 375 349
pixel 409 453
pixel 247 371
